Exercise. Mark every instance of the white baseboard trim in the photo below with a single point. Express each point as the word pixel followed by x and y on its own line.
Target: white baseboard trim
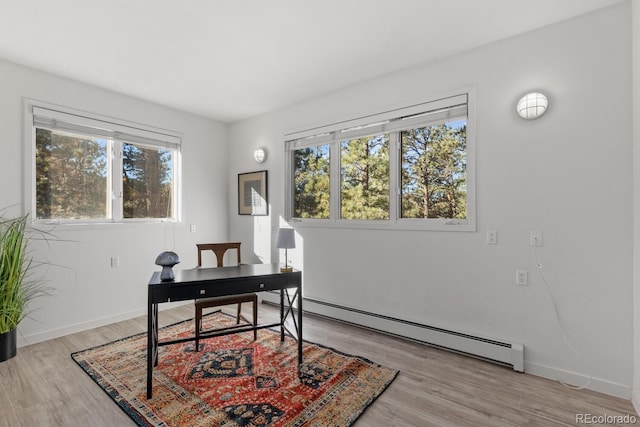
pixel 25 340
pixel 635 400
pixel 596 384
pixel 578 380
pixel 495 350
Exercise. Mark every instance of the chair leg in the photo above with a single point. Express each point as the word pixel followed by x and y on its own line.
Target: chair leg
pixel 255 318
pixel 198 324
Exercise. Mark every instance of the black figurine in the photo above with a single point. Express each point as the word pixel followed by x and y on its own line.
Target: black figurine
pixel 167 260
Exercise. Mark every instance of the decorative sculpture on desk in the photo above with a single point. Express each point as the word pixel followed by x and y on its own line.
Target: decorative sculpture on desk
pixel 167 260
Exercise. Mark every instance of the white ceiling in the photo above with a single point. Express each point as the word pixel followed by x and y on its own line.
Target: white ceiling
pixel 233 59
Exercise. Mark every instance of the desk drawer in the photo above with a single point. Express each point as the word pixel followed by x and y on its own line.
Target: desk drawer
pixel 267 284
pixel 240 285
pixel 277 283
pixel 246 285
pixel 184 292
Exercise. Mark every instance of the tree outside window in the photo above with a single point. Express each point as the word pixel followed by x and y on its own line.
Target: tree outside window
pixel 71 176
pixel 364 192
pixel 434 171
pixel 89 173
pixel 408 168
pixel 147 182
pixel 311 182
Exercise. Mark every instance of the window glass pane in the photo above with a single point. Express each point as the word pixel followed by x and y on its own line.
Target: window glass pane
pixel 71 176
pixel 311 182
pixel 147 181
pixel 364 188
pixel 434 175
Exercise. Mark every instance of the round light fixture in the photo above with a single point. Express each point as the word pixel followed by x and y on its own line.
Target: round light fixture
pixel 532 105
pixel 259 155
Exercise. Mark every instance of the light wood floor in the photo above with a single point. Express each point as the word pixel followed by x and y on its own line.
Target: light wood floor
pixel 43 386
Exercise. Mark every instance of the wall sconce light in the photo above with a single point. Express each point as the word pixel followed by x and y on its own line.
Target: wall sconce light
pixel 260 155
pixel 286 240
pixel 532 105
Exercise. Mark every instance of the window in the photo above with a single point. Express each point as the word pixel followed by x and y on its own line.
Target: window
pixel 71 175
pixel 364 189
pixel 311 182
pixel 433 183
pixel 92 170
pixel 408 168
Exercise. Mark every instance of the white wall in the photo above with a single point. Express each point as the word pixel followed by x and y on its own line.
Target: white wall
pixel 636 201
pixel 568 174
pixel 86 291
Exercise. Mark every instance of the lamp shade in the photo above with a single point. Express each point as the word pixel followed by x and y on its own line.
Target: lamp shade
pixel 286 238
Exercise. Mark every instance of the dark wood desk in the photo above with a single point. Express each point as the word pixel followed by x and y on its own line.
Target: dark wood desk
pixel 211 282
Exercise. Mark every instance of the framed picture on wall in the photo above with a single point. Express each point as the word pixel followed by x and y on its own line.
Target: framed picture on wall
pixel 252 193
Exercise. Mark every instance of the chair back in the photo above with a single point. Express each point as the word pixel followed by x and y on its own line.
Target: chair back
pixel 219 249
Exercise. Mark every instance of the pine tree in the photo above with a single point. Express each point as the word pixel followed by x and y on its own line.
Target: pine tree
pixel 311 182
pixel 71 174
pixel 365 178
pixel 434 172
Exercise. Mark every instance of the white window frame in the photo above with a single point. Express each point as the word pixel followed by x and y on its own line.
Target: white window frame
pixel 119 132
pixel 375 124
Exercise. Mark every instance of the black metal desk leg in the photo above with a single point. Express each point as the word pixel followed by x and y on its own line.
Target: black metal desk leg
pixel 151 344
pixel 155 334
pixel 282 315
pixel 299 328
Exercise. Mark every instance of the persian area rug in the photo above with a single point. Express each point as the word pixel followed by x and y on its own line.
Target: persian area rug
pixel 235 381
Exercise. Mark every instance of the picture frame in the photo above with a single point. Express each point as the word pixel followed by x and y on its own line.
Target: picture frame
pixel 252 193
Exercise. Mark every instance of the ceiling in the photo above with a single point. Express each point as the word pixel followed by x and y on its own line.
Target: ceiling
pixel 233 59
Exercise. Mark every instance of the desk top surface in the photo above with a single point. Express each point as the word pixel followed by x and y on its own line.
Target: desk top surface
pixel 198 274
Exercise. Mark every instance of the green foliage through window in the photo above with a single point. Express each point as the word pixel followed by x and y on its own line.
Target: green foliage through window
pixel 311 182
pixel 91 174
pixel 147 182
pixel 71 176
pixel 364 191
pixel 398 169
pixel 434 171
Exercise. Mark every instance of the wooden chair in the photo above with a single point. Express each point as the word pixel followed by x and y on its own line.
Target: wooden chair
pixel 219 250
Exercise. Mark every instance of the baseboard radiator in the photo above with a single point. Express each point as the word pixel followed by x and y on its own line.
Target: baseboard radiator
pixel 492 350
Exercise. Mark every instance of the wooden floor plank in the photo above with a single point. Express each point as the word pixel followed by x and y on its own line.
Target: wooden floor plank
pixel 43 386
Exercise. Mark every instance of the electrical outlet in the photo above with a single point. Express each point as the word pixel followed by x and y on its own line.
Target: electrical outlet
pixel 192 229
pixel 522 277
pixel 535 238
pixel 115 261
pixel 492 237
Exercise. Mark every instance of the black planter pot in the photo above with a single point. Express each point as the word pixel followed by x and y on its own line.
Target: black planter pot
pixel 8 345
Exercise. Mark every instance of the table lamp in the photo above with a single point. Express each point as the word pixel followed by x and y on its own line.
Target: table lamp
pixel 286 240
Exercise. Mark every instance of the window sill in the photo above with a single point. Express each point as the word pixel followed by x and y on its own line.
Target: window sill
pixel 103 224
pixel 402 224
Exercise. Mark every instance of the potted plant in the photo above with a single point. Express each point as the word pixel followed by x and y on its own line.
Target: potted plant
pixel 16 289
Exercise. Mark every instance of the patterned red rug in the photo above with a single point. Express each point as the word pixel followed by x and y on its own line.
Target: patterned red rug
pixel 235 381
